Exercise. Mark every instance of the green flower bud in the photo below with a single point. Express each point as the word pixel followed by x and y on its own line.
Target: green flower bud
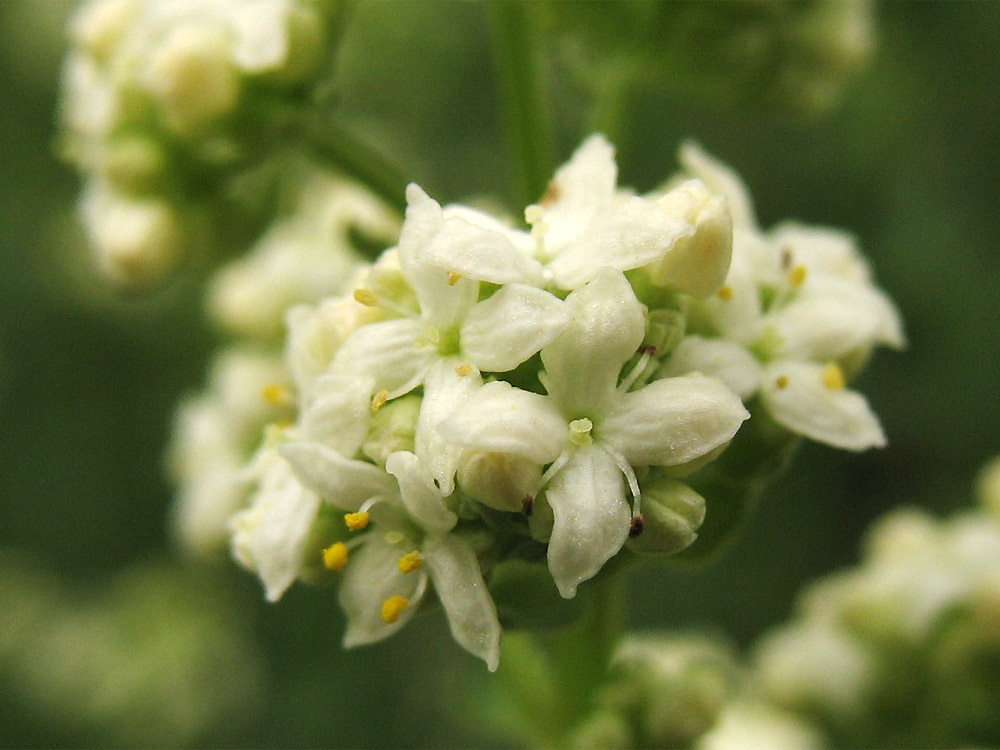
pixel 672 513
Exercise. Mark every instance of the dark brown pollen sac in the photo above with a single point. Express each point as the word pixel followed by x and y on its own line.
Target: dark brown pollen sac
pixel 786 258
pixel 551 195
pixel 528 505
pixel 652 351
pixel 637 527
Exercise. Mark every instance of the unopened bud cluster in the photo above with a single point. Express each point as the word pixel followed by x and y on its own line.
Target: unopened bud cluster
pixel 484 392
pixel 166 103
pixel 903 649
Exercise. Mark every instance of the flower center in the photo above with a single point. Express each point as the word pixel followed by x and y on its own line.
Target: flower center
pixel 579 432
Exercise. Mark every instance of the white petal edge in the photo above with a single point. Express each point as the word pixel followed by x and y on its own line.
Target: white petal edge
pixel 458 581
pixel 720 358
pixel 796 397
pixel 342 482
pixel 420 496
pixel 673 421
pixel 511 326
pixel 592 518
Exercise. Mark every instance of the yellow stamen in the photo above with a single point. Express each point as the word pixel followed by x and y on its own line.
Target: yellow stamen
pixel 335 556
pixel 833 377
pixel 797 276
pixel 366 297
pixel 453 277
pixel 725 293
pixel 277 394
pixel 462 370
pixel 410 562
pixel 393 607
pixel 379 401
pixel 357 521
pixel 782 381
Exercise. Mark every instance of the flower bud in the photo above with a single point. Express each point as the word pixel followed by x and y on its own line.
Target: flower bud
pixel 698 263
pixel 136 241
pixel 672 513
pixel 193 78
pixel 499 480
pixel 392 429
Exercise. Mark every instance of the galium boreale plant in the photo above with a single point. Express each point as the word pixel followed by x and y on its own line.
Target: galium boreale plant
pixel 488 400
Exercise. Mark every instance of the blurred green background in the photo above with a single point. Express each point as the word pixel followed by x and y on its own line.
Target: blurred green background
pixel 89 379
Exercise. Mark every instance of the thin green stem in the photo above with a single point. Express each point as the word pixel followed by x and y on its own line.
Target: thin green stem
pixel 336 147
pixel 523 93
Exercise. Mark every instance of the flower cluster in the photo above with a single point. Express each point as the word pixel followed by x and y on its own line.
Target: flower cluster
pixel 901 650
pixel 486 392
pixel 167 103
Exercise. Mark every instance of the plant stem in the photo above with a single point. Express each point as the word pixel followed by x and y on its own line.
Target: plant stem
pixel 524 96
pixel 338 148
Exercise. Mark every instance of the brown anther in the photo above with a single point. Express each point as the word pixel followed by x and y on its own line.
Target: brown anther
pixel 528 506
pixel 552 193
pixel 782 381
pixel 651 350
pixel 786 258
pixel 637 527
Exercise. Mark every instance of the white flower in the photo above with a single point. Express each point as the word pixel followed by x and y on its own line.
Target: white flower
pixel 408 544
pixel 585 224
pixel 451 338
pixel 797 309
pixel 593 431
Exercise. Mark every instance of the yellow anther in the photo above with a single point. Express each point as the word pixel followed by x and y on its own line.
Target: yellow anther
pixel 453 277
pixel 410 561
pixel 379 400
pixel 393 607
pixel 277 394
pixel 833 377
pixel 462 370
pixel 782 381
pixel 579 431
pixel 283 424
pixel 357 521
pixel 335 556
pixel 725 293
pixel 366 297
pixel 797 276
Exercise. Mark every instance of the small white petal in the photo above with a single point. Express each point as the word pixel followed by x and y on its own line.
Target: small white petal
pixel 720 358
pixel 672 421
pixel 371 577
pixel 338 415
pixel 443 300
pixel 514 324
pixel 796 397
pixel 499 418
pixel 584 186
pixel 458 581
pixel 342 482
pixel 592 518
pixel 582 364
pixel 388 352
pixel 476 252
pixel 445 390
pixel 823 326
pixel 421 497
pixel 631 235
pixel 270 537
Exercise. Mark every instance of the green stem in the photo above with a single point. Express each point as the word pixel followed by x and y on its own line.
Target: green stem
pixel 524 96
pixel 334 146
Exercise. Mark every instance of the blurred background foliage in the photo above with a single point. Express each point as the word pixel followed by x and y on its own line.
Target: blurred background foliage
pixel 89 377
